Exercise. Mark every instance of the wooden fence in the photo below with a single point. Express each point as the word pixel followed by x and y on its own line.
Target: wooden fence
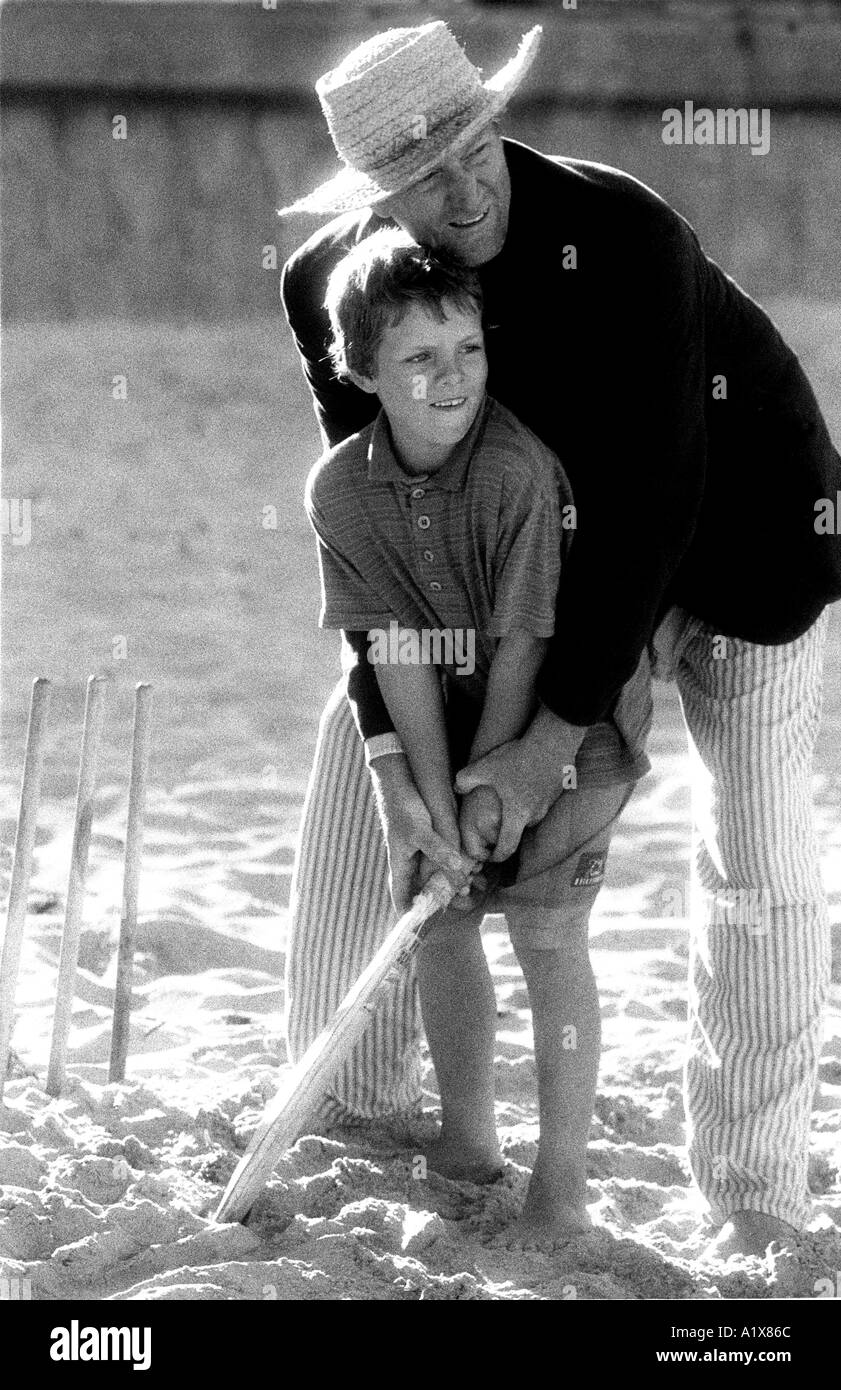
pixel 221 126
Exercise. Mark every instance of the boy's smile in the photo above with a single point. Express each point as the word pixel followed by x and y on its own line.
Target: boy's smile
pixel 430 377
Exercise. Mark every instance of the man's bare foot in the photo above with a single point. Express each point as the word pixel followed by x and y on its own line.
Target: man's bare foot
pixel 749 1233
pixel 549 1219
pixel 464 1164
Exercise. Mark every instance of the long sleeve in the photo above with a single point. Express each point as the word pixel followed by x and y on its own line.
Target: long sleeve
pixel 639 498
pixel 364 696
pixel 341 410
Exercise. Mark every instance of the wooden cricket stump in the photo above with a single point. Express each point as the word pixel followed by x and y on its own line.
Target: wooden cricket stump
pixel 71 935
pixel 30 799
pixel 22 870
pixel 141 743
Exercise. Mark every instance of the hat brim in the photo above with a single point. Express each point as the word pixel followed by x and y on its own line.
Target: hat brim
pixel 350 190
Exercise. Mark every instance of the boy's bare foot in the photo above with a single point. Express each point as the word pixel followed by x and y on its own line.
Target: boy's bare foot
pixel 463 1163
pixel 549 1218
pixel 528 1233
pixel 749 1233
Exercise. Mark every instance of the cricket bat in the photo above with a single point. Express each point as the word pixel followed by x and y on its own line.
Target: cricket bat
pixel 287 1115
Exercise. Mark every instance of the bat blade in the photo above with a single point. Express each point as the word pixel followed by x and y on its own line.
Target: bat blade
pixel 300 1094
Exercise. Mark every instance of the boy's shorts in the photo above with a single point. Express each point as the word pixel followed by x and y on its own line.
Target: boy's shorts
pixel 548 888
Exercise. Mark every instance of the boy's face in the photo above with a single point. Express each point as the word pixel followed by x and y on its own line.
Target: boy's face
pixel 430 377
pixel 462 205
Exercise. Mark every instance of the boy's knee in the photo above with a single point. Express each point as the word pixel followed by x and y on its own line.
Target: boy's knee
pixel 547 947
pixel 564 927
pixel 451 932
pixel 540 962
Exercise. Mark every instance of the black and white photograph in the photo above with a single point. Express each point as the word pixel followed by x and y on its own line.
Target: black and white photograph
pixel 420 662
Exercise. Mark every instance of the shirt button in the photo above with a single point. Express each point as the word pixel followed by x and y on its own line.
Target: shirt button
pixel 428 555
pixel 424 523
pixel 435 586
pixel 418 492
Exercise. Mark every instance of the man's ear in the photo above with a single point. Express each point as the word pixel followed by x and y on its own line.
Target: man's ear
pixel 365 383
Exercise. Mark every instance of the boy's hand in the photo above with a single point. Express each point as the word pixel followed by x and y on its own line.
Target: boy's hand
pixel 480 821
pixel 445 824
pixel 415 848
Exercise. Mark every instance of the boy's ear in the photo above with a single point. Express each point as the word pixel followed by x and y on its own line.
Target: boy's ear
pixel 365 383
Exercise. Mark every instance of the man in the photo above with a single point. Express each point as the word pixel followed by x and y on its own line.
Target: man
pixel 698 457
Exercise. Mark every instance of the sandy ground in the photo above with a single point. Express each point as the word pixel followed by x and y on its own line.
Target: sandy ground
pixel 173 520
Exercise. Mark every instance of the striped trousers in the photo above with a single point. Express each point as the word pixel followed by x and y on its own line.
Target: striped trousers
pixel 760 942
pixel 340 911
pixel 759 958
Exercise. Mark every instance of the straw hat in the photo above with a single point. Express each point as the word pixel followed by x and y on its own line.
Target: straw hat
pixel 399 102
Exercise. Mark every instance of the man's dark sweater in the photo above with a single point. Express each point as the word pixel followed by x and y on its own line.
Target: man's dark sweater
pixel 690 434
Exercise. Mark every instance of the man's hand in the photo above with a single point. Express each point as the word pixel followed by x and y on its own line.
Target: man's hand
pixel 527 775
pixel 480 821
pixel 415 848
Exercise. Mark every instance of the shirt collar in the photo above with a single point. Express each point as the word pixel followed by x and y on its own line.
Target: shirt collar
pixel 367 223
pixel 383 466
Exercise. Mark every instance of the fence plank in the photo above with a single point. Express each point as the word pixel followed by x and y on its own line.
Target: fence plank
pixel 755 52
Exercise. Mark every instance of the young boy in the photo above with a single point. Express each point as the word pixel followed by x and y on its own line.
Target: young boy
pixel 441 531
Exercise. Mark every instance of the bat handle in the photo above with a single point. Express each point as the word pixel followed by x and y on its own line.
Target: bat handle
pixel 436 894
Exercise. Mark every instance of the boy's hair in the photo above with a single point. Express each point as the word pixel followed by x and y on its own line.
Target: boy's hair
pixel 373 286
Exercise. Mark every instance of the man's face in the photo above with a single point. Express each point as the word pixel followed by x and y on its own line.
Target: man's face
pixel 462 205
pixel 430 377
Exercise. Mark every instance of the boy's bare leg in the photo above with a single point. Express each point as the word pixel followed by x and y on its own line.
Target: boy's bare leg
pixel 459 1014
pixel 555 960
pixel 567 1042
